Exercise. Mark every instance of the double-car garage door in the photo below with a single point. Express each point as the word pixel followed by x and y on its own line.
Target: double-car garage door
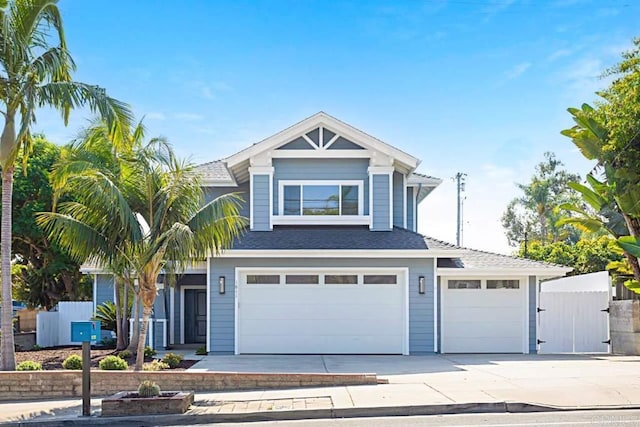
pixel 313 312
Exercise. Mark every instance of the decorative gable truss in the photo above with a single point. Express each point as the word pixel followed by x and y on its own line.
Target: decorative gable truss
pixel 321 139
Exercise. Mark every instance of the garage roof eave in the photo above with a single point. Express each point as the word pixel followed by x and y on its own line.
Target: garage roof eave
pixel 546 272
pixel 353 253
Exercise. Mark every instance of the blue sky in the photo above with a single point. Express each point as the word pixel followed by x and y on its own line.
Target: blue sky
pixel 476 86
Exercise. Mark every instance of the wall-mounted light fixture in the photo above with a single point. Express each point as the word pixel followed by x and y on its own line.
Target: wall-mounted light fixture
pixel 421 285
pixel 221 287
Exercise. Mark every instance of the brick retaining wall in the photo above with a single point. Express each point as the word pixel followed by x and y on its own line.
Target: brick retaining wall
pixel 37 384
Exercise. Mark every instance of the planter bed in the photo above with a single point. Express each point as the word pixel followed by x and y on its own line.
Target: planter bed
pixel 127 403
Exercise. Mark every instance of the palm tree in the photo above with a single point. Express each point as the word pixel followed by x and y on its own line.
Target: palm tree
pixel 35 71
pixel 159 209
pixel 96 152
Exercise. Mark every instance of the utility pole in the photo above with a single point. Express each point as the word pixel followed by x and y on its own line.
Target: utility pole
pixel 460 177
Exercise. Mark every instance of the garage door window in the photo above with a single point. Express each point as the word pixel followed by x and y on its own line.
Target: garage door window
pixel 302 279
pixel 341 279
pixel 503 284
pixel 464 284
pixel 263 279
pixel 380 279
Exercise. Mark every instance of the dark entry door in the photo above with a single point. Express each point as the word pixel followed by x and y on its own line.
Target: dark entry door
pixel 195 316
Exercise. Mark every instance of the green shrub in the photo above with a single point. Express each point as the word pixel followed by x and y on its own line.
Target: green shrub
pixel 148 389
pixel 155 365
pixel 29 365
pixel 125 354
pixel 113 363
pixel 201 351
pixel 149 352
pixel 172 359
pixel 72 362
pixel 36 347
pixel 108 342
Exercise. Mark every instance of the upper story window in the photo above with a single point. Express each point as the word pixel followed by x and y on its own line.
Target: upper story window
pixel 321 198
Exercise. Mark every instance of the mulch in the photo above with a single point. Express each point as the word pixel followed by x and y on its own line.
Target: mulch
pixel 52 358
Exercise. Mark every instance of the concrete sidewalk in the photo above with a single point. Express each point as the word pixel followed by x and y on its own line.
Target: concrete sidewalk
pixel 417 384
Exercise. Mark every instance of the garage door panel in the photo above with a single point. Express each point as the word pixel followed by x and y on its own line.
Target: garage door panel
pixel 340 319
pixel 483 329
pixel 482 320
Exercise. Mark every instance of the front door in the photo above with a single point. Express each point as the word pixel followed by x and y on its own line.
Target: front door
pixel 195 316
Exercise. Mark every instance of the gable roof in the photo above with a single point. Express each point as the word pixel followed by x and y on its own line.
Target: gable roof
pixel 215 172
pixel 322 119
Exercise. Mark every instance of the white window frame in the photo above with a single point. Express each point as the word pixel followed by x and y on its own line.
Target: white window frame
pixel 320 219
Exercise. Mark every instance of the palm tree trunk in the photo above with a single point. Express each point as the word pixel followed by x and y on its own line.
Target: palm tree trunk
pixel 143 337
pixel 135 333
pixel 118 283
pixel 7 349
pixel 126 314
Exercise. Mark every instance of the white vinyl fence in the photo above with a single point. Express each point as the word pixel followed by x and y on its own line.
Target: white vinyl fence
pixel 573 314
pixel 54 327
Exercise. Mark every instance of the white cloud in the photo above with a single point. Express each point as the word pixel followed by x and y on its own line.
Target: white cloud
pixel 155 116
pixel 517 70
pixel 190 117
pixel 560 53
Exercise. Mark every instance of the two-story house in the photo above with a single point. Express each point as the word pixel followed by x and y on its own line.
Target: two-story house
pixel 332 261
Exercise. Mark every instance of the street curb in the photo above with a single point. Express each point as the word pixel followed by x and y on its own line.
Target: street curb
pixel 310 414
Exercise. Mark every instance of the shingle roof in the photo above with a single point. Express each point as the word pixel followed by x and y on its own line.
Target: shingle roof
pixel 214 171
pixel 287 237
pixel 421 175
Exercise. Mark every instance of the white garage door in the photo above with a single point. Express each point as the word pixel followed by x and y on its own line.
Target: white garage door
pixel 310 312
pixel 483 315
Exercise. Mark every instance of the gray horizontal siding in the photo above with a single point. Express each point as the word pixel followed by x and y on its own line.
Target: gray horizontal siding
pixel 398 198
pixel 211 193
pixel 321 169
pixel 380 205
pixel 104 289
pixel 260 215
pixel 410 208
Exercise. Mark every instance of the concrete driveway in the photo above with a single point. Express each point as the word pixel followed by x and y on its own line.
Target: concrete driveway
pixel 557 380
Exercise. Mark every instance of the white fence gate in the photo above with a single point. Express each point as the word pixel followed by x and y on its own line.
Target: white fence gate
pixel 573 314
pixel 54 327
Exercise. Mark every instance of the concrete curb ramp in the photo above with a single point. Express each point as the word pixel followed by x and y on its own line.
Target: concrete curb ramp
pixel 308 414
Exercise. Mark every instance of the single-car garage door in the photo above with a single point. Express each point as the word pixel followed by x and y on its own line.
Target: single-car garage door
pixel 313 312
pixel 483 315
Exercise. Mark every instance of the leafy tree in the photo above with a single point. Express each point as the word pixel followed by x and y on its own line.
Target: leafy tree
pixel 610 134
pixel 49 275
pixel 536 212
pixel 585 256
pixel 35 71
pixel 159 209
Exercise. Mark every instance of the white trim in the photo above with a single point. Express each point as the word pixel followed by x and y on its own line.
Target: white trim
pixel 208 339
pixel 526 316
pixel 341 253
pixel 150 336
pixel 95 291
pixel 380 170
pixel 182 289
pixel 370 201
pixel 241 273
pixel 236 333
pixel 309 141
pixel 404 201
pixel 414 193
pixel 425 181
pixel 334 139
pixel 435 305
pixel 271 200
pixel 260 170
pixel 321 219
pixel 391 201
pixel 322 154
pixel 172 315
pixel 320 136
pixel 164 331
pixel 251 189
pixel 407 290
pixel 507 271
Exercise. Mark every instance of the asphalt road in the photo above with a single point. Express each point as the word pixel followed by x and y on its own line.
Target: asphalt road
pixel 612 418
